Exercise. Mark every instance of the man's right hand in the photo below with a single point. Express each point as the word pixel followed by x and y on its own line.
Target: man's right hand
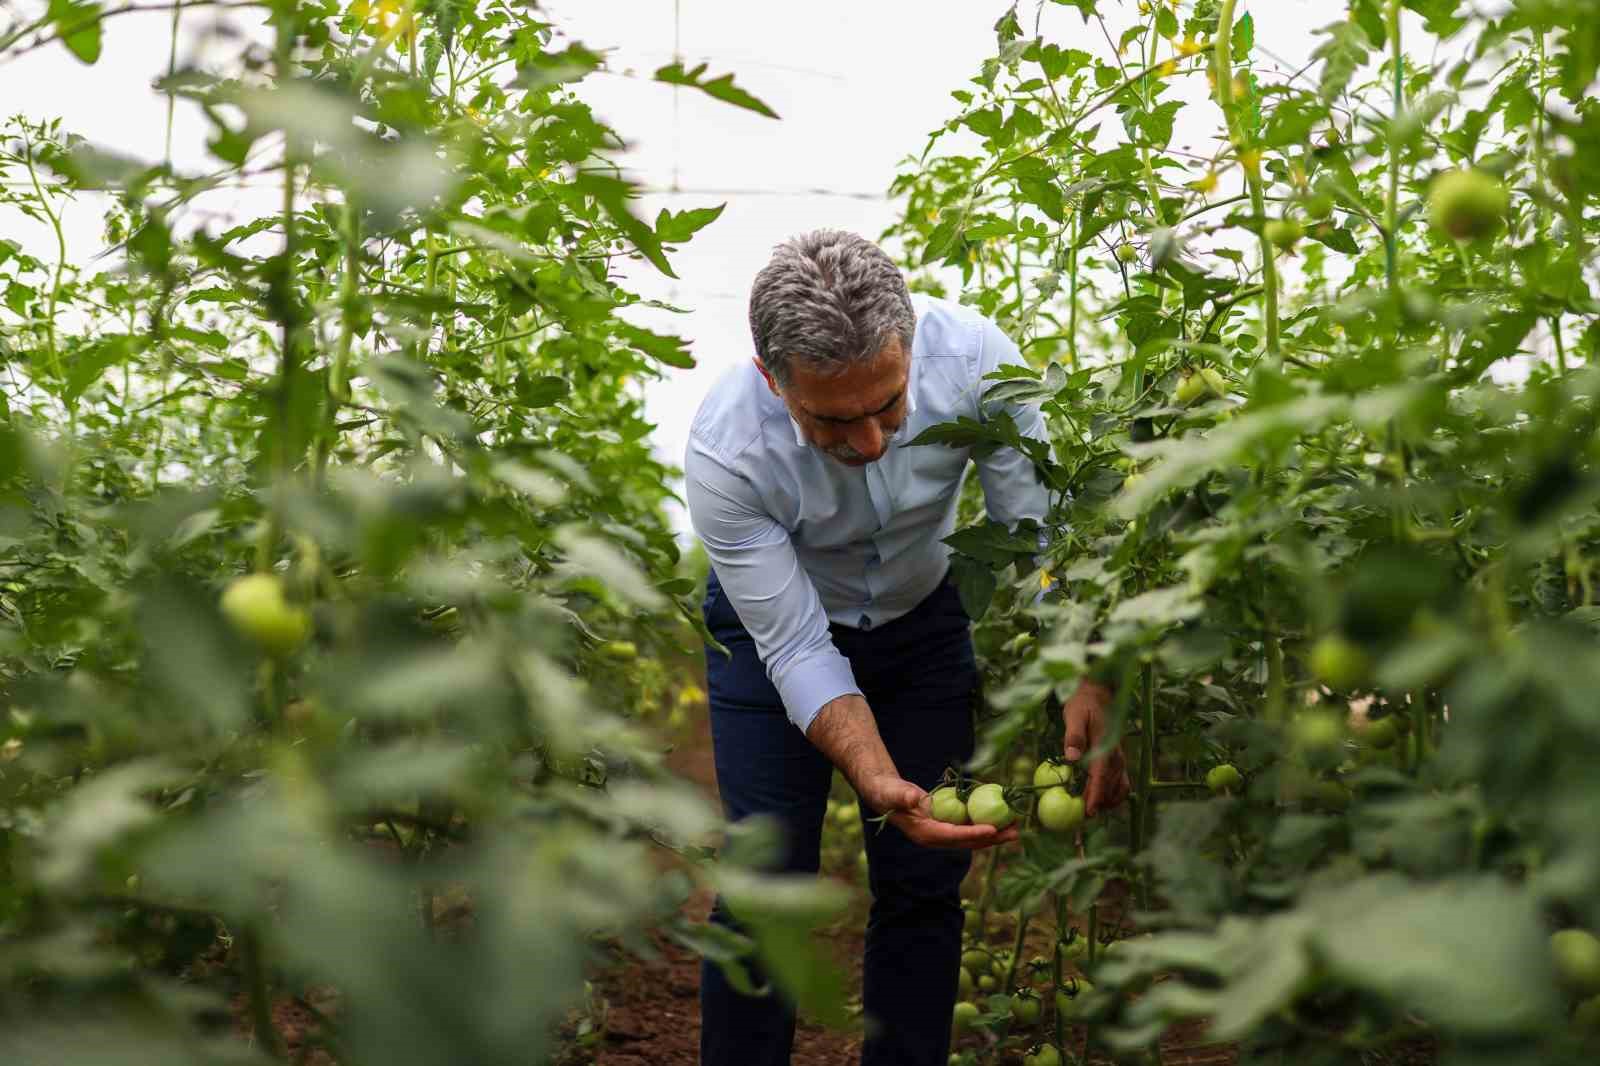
pixel 908 808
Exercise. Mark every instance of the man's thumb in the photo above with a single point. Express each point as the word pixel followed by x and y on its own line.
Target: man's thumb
pixel 907 796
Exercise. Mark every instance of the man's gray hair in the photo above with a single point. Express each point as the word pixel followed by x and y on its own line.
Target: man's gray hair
pixel 825 300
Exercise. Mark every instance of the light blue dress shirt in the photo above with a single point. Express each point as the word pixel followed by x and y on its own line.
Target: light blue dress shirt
pixel 799 539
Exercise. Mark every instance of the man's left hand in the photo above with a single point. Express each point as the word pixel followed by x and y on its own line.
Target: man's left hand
pixel 1084 715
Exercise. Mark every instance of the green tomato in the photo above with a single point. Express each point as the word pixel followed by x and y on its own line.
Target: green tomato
pixel 1203 384
pixel 1338 662
pixel 986 805
pixel 1043 1055
pixel 1224 777
pixel 965 985
pixel 977 961
pixel 1283 233
pixel 1317 732
pixel 255 606
pixel 1076 948
pixel 1380 734
pixel 1467 204
pixel 1577 958
pixel 1127 253
pixel 1059 811
pixel 988 983
pixel 621 651
pixel 1330 794
pixel 1068 999
pixel 1319 205
pixel 847 814
pixel 1586 1015
pixel 1052 772
pixel 1025 1007
pixel 947 806
pixel 965 1016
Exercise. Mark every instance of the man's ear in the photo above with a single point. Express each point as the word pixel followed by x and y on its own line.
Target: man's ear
pixel 771 381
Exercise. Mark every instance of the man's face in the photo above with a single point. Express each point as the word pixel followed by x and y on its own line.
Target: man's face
pixel 850 415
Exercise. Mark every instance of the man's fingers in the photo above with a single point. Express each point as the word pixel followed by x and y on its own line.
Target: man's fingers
pixel 1108 784
pixel 932 834
pixel 1077 740
pixel 1096 786
pixel 943 835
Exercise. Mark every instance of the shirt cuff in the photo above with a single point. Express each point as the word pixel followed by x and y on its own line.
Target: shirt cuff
pixel 807 686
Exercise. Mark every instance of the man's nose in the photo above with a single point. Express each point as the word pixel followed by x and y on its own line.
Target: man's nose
pixel 867 438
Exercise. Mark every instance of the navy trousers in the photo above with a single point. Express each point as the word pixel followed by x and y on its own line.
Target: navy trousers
pixel 920 679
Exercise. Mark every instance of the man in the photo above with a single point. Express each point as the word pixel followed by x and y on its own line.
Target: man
pixel 849 647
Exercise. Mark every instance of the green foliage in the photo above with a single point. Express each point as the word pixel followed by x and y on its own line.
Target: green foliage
pixel 402 761
pixel 1392 461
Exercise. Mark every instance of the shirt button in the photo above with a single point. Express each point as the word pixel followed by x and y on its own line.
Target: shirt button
pixel 866 623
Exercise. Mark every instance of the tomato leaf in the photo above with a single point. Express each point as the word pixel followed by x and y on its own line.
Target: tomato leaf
pixel 77 23
pixel 674 351
pixel 612 194
pixel 675 228
pixel 720 88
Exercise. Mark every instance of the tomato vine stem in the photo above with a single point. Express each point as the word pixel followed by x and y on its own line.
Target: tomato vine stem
pixel 1249 160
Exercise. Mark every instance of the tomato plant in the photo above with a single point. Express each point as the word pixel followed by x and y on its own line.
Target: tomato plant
pixel 335 579
pixel 1322 454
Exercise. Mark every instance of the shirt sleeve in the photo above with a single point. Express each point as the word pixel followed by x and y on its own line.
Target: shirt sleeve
pixel 1012 490
pixel 769 590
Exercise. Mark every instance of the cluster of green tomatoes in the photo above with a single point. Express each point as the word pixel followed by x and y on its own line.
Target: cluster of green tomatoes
pixel 1055 809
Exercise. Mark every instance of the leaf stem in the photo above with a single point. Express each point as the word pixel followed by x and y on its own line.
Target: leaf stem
pixel 1249 159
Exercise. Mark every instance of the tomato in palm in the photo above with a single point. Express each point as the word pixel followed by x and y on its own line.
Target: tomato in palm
pixel 987 806
pixel 946 805
pixel 1059 811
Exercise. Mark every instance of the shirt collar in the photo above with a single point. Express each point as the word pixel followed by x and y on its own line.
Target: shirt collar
pixel 911 409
